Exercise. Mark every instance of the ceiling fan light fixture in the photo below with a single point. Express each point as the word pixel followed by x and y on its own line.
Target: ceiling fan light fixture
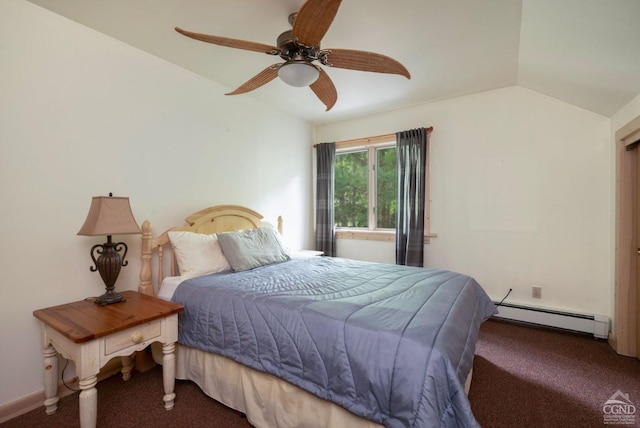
pixel 298 73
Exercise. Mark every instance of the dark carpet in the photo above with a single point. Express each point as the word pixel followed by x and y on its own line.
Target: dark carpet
pixel 523 377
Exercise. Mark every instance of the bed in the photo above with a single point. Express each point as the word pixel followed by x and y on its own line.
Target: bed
pixel 314 341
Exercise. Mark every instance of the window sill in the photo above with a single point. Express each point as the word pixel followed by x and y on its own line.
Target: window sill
pixel 374 235
pixel 366 235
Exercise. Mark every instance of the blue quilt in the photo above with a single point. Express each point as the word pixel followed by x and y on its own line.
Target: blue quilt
pixel 393 344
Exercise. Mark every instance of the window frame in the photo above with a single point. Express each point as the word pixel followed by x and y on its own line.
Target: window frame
pixel 372 185
pixel 380 234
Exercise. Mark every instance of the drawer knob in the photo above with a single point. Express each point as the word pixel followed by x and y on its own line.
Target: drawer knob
pixel 136 337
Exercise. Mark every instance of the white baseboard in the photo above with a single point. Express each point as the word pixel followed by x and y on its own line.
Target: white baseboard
pixel 33 401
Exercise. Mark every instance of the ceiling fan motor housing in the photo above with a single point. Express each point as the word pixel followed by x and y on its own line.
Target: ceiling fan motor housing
pixel 290 49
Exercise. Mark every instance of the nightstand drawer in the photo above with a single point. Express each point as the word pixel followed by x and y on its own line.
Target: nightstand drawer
pixel 132 336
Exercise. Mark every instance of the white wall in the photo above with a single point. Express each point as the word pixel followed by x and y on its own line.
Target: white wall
pixel 520 195
pixel 81 115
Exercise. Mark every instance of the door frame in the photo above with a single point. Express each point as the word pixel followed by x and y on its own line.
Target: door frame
pixel 626 334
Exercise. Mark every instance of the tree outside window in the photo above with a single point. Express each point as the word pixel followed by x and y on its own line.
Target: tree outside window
pixel 365 188
pixel 386 184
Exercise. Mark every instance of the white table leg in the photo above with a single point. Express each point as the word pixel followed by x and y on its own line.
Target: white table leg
pixel 127 366
pixel 50 379
pixel 88 402
pixel 168 374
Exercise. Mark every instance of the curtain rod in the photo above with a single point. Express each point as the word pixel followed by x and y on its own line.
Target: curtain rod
pixel 369 140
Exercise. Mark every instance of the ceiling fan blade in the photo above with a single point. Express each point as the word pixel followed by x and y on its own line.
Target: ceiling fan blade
pixel 364 61
pixel 325 90
pixel 231 43
pixel 262 78
pixel 313 20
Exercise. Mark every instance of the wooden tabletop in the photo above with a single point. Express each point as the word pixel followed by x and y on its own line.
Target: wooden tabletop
pixel 84 320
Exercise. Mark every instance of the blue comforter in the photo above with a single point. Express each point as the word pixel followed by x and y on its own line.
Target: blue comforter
pixel 393 344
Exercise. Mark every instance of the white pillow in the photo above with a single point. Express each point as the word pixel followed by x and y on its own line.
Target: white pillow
pixel 197 254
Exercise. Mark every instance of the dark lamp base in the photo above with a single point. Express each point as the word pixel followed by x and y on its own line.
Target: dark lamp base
pixel 109 297
pixel 108 263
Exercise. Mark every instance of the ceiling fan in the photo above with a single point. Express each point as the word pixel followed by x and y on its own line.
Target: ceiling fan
pixel 300 47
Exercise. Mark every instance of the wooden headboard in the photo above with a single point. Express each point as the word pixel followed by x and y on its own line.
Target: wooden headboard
pixel 216 219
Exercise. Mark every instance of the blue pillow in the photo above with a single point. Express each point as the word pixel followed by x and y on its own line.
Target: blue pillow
pixel 249 249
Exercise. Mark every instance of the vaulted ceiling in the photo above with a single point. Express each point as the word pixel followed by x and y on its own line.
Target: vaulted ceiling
pixel 584 52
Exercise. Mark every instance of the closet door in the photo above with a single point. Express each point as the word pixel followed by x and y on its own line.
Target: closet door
pixel 626 332
pixel 637 241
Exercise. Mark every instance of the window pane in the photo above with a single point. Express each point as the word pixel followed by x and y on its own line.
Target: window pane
pixel 351 189
pixel 386 183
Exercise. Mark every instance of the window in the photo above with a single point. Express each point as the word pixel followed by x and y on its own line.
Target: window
pixel 386 184
pixel 351 197
pixel 365 190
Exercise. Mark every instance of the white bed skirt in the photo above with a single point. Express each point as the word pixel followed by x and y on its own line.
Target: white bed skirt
pixel 266 400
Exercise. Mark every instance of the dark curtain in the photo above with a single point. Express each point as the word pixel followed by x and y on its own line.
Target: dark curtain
pixel 325 234
pixel 412 157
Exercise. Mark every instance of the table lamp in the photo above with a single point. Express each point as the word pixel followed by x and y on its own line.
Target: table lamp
pixel 109 215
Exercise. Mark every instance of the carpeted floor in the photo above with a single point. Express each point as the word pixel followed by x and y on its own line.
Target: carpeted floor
pixel 523 377
pixel 532 377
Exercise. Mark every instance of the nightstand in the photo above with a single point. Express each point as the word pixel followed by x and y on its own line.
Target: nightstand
pixel 90 335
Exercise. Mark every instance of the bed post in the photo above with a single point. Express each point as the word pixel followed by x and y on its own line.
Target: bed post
pixel 146 286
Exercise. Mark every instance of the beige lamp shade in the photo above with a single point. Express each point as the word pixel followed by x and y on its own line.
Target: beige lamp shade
pixel 109 215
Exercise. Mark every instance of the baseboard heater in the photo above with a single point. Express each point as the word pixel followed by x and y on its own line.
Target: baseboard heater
pixel 598 325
